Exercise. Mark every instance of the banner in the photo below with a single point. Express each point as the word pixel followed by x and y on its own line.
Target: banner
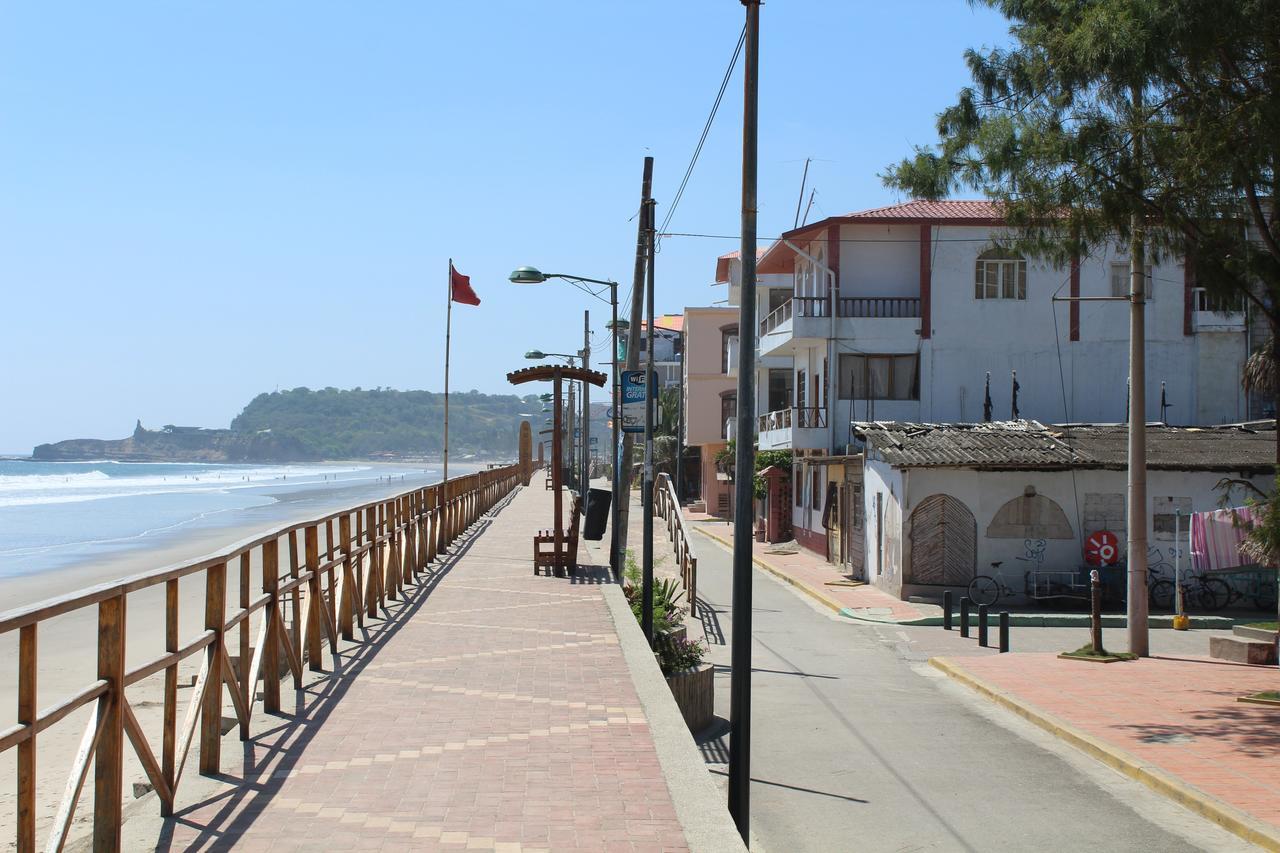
pixel 633 400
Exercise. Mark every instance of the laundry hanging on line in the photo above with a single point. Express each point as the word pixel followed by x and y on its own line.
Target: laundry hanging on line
pixel 1216 537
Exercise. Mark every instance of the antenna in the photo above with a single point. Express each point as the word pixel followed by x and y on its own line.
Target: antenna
pixel 809 206
pixel 803 180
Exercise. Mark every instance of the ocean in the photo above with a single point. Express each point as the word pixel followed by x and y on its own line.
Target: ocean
pixel 58 514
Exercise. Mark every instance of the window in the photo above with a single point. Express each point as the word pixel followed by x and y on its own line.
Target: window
pixel 882 377
pixel 728 349
pixel 1121 279
pixel 1000 274
pixel 779 388
pixel 728 411
pixel 799 484
pixel 1168 513
pixel 815 490
pixel 777 297
pixel 800 390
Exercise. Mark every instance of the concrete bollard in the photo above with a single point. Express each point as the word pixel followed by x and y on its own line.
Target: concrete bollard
pixel 982 625
pixel 946 610
pixel 1004 631
pixel 964 616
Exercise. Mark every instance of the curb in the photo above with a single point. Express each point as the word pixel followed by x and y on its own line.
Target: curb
pixel 700 808
pixel 1226 816
pixel 812 593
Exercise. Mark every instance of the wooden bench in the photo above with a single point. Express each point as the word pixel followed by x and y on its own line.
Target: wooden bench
pixel 547 556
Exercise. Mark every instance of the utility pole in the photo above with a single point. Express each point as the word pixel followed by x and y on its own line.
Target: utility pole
pixel 745 461
pixel 680 422
pixel 571 448
pixel 650 403
pixel 1136 615
pixel 586 409
pixel 633 361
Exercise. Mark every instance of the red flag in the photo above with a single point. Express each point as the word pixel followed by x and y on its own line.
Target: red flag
pixel 461 286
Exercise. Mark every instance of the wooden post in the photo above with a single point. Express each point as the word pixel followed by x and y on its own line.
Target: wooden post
pixel 27 711
pixel 271 638
pixel 169 747
pixel 295 608
pixel 108 768
pixel 311 542
pixel 345 606
pixel 357 590
pixel 373 588
pixel 1095 612
pixel 215 619
pixel 557 464
pixel 329 550
pixel 246 689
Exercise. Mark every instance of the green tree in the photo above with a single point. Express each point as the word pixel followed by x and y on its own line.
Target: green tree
pixel 1149 121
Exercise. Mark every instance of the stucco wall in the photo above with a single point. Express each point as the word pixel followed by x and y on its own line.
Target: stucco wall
pixel 704 383
pixel 984 493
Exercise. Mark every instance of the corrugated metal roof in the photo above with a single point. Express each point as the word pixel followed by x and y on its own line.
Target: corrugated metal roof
pixel 1029 444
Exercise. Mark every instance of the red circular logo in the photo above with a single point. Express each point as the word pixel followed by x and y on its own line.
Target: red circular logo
pixel 1102 549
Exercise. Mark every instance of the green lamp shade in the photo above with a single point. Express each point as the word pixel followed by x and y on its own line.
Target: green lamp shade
pixel 527 275
pixel 535 354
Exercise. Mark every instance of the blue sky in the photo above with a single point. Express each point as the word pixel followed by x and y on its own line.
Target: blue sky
pixel 206 200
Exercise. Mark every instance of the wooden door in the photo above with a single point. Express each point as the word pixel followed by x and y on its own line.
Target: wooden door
pixel 852 534
pixel 943 543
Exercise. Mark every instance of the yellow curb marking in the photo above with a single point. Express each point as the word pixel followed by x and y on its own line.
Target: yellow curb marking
pixel 1227 816
pixel 812 593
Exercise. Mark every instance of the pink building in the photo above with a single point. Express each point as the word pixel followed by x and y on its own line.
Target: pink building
pixel 711 400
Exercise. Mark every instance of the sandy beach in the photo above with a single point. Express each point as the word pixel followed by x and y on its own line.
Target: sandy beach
pixel 67 645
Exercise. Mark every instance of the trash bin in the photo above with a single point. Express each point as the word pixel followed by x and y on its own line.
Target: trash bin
pixel 597 519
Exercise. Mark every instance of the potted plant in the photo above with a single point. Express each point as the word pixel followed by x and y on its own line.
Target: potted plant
pixel 692 681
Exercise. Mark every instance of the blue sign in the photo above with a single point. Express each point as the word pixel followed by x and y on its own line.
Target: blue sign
pixel 633 400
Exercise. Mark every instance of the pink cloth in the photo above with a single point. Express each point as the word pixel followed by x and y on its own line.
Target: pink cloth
pixel 1216 537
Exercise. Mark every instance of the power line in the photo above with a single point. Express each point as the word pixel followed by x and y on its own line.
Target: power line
pixel 706 129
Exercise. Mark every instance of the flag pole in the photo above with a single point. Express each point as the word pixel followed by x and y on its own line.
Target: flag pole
pixel 448 328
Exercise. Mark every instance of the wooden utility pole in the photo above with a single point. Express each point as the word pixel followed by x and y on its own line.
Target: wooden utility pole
pixel 745 461
pixel 633 360
pixel 650 401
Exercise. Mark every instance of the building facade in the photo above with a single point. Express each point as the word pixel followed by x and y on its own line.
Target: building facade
pixel 711 399
pixel 915 313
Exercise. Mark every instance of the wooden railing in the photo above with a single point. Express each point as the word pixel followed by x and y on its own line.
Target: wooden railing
pixel 879 306
pixel 667 507
pixel 324 591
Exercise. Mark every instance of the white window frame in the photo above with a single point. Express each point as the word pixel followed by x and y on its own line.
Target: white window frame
pixel 998 275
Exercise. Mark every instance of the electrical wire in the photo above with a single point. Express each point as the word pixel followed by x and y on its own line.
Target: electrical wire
pixel 706 129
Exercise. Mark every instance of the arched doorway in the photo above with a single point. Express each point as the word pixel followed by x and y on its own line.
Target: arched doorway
pixel 943 543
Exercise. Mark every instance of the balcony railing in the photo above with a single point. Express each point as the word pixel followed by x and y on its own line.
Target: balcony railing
pixel 807 417
pixel 1203 300
pixel 846 306
pixel 879 306
pixel 776 317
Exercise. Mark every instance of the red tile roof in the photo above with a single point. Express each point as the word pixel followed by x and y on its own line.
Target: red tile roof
pixel 920 209
pixel 722 262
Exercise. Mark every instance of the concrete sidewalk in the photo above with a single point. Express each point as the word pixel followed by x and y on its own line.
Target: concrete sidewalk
pixel 499 714
pixel 823 581
pixel 1172 723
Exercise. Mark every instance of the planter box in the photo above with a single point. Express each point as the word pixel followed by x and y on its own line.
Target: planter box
pixel 675 635
pixel 695 693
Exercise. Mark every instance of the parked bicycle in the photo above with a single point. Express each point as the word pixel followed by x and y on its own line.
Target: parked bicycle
pixel 1199 592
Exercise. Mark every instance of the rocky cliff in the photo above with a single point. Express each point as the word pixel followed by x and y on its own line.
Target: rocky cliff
pixel 181 444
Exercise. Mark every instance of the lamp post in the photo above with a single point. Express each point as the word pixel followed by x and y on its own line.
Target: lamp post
pixel 532 275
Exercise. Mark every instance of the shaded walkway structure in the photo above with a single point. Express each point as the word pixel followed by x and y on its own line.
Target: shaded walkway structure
pixel 497 713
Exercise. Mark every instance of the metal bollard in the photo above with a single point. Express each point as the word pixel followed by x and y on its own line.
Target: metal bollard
pixel 1004 631
pixel 946 610
pixel 982 625
pixel 964 616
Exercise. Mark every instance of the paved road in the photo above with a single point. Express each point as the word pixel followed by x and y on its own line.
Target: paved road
pixel 857 745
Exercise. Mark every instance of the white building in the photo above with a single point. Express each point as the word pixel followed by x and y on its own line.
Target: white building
pixel 900 314
pixel 943 503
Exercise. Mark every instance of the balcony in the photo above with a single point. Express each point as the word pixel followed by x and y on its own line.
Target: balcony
pixel 802 428
pixel 1213 313
pixel 808 319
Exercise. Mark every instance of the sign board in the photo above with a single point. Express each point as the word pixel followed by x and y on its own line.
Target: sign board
pixel 633 400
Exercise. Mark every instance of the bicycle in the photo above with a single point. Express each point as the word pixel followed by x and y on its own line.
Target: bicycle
pixel 1199 592
pixel 985 589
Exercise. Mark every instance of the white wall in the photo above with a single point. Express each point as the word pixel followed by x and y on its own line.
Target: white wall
pixel 984 493
pixel 880 260
pixel 889 483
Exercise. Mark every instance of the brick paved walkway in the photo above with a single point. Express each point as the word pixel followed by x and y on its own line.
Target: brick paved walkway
pixel 498 716
pixel 1178 715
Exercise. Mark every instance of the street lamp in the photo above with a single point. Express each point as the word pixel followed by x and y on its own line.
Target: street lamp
pixel 533 275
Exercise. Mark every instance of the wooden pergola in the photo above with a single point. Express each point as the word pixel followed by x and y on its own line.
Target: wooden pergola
pixel 556 374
